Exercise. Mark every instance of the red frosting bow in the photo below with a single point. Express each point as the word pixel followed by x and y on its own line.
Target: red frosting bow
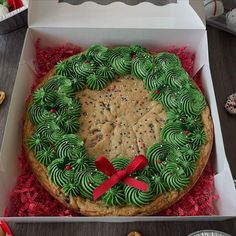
pixel 102 164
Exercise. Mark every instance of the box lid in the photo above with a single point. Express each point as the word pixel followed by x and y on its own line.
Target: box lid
pixel 184 14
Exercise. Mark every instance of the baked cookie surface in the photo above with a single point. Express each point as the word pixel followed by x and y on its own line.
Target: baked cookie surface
pixel 120 120
pixel 160 114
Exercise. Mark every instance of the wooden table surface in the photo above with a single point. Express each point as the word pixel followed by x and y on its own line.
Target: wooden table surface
pixel 222 49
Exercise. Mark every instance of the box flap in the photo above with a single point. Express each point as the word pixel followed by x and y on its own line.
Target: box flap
pixel 180 15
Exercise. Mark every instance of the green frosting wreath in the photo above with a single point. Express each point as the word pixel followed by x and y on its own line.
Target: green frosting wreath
pixel 55 111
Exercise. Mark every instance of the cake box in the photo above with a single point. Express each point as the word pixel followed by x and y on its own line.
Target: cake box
pixel 179 24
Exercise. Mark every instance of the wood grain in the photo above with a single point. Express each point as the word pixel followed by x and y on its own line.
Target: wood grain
pixel 222 49
pixel 222 52
pixel 10 51
pixel 118 229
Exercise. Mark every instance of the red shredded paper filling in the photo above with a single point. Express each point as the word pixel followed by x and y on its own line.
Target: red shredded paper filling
pixel 29 198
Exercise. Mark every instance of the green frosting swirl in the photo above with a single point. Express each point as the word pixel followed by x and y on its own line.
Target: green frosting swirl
pixel 174 176
pixel 57 172
pixel 118 52
pixel 137 49
pixel 53 83
pixel 115 196
pixel 138 68
pixel 82 163
pixel 190 152
pixel 160 153
pixel 96 82
pixel 146 171
pixel 61 117
pixel 41 97
pixel 157 184
pixel 187 164
pixel 50 131
pixel 68 105
pixel 69 146
pixel 78 83
pixel 154 74
pixel 167 60
pixel 189 85
pixel 71 125
pixel 170 99
pixel 166 96
pixel 46 156
pixel 61 85
pixel 66 88
pixel 174 133
pixel 136 197
pixel 176 77
pixel 105 71
pixel 38 115
pixel 97 54
pixel 71 189
pixel 36 142
pixel 176 116
pixel 122 64
pixel 88 181
pixel 83 68
pixel 65 68
pixel 191 123
pixel 152 80
pixel 120 163
pixel 198 137
pixel 192 102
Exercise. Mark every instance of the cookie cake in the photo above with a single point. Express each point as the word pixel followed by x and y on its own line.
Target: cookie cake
pixel 118 131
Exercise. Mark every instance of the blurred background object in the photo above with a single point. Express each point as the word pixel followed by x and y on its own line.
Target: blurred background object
pixel 13 15
pixel 134 233
pixel 213 8
pixel 209 233
pixel 221 14
pixel 2 96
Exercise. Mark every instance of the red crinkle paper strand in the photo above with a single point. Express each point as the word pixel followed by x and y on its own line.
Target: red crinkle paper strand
pixel 29 198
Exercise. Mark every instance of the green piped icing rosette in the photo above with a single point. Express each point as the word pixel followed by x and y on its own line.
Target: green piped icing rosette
pixel 54 111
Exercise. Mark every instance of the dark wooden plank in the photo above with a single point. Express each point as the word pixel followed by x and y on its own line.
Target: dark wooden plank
pixel 118 229
pixel 222 47
pixel 10 51
pixel 222 52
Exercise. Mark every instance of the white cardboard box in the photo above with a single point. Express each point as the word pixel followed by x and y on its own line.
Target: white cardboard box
pixel 179 24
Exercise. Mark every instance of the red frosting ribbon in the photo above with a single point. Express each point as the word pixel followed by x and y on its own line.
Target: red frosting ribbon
pixel 5 228
pixel 102 164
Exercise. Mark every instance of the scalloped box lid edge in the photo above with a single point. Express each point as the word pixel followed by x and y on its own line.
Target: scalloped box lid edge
pixel 185 14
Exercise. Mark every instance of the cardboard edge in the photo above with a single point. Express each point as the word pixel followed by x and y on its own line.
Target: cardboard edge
pixel 114 219
pixel 198 7
pixel 219 142
pixel 12 133
pixel 227 179
pixel 203 46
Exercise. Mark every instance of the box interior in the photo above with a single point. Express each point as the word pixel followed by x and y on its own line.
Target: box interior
pixel 195 40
